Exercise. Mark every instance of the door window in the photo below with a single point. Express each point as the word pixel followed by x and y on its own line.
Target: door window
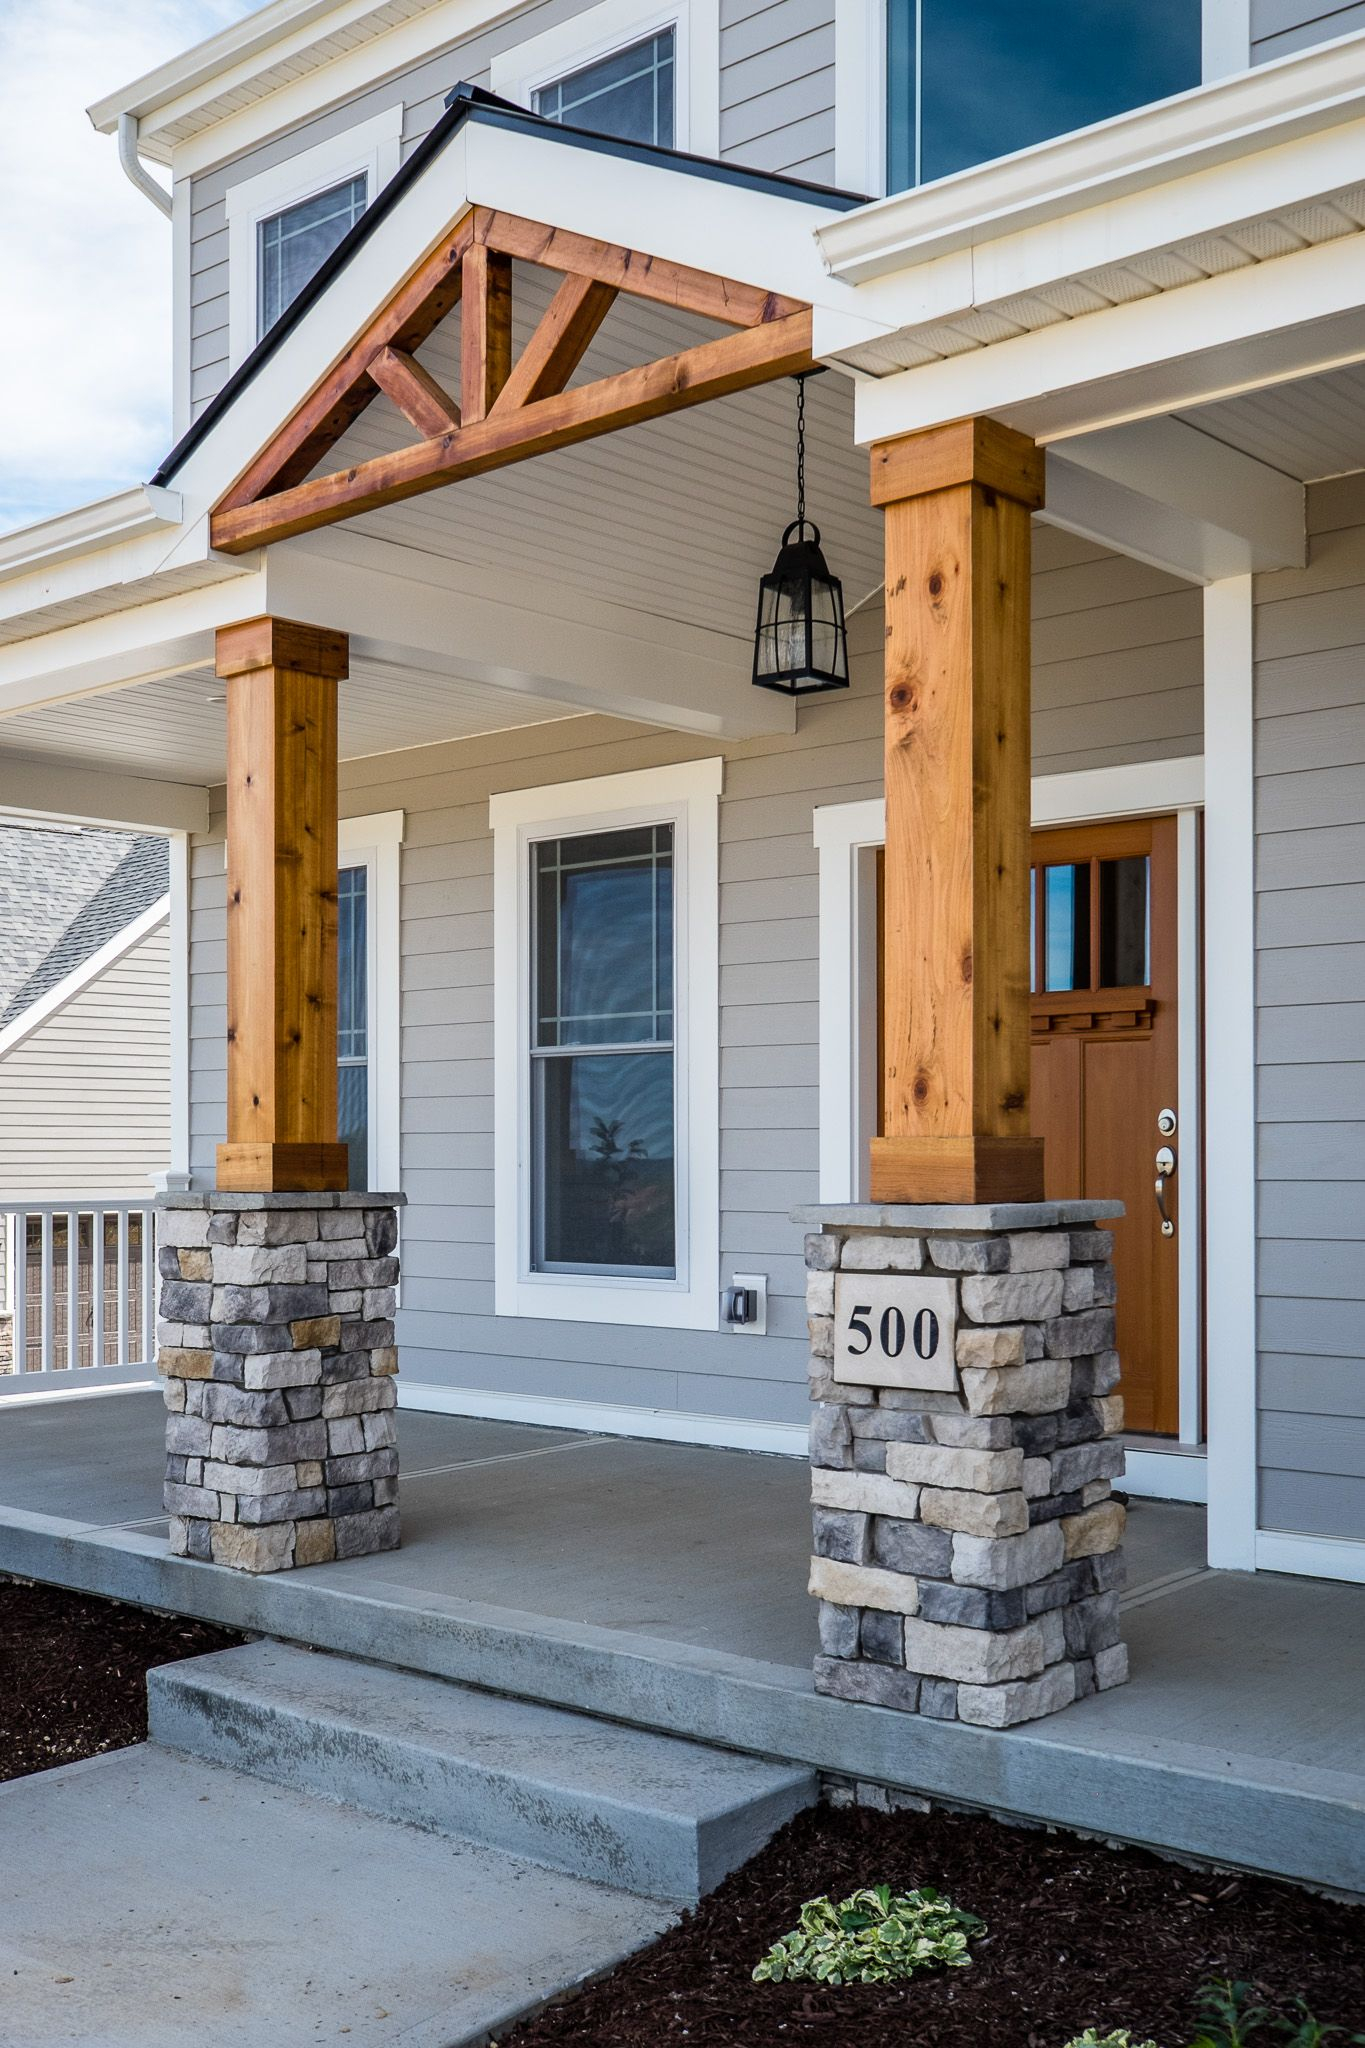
pixel 1091 924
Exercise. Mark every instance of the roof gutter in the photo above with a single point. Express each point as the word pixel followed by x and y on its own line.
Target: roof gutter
pixel 134 168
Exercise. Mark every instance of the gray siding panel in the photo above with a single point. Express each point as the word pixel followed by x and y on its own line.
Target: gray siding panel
pixel 1280 26
pixel 1310 873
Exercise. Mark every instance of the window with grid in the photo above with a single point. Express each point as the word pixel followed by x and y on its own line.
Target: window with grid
pixel 293 244
pixel 353 1021
pixel 603 1054
pixel 628 94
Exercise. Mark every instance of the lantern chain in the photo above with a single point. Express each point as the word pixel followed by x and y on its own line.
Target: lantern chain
pixel 801 451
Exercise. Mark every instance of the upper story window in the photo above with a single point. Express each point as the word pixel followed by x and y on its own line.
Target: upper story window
pixel 969 80
pixel 293 244
pixel 285 221
pixel 629 93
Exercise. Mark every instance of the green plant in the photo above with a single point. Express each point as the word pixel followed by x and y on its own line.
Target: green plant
pixel 1230 2013
pixel 1119 2038
pixel 874 1937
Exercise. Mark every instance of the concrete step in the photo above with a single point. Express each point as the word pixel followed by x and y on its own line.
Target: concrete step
pixel 641 1812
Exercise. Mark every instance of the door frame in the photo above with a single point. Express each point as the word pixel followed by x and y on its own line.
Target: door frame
pixel 846 838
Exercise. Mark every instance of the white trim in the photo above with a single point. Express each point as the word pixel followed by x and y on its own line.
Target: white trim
pixel 376 843
pixel 144 509
pixel 1164 1475
pixel 607 1418
pixel 688 795
pixel 80 978
pixel 139 1379
pixel 1317 1557
pixel 373 147
pixel 860 87
pixel 842 833
pixel 612 25
pixel 55 792
pixel 1211 127
pixel 1137 789
pixel 1230 1080
pixel 178 851
pixel 1226 40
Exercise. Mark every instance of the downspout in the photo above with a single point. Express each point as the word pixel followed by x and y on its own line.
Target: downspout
pixel 135 169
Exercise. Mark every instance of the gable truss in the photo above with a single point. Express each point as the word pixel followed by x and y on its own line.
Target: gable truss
pixel 508 411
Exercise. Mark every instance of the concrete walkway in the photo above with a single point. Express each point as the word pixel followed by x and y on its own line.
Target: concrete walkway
pixel 664 1585
pixel 149 1900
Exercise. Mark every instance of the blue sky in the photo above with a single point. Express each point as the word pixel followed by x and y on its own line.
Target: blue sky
pixel 85 371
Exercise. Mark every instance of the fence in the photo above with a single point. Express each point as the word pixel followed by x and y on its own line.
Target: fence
pixel 77 1293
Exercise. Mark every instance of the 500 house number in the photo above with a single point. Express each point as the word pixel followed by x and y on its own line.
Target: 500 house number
pixel 894 1330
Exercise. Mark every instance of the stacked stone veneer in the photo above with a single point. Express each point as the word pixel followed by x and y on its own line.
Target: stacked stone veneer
pixel 276 1347
pixel 968 1552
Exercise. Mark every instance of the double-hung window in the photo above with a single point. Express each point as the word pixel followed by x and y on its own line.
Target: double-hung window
pixel 629 94
pixel 353 1019
pixel 605 998
pixel 969 80
pixel 368 975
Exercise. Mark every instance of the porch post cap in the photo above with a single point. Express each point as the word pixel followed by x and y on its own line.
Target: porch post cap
pixel 955 1215
pixel 269 642
pixel 972 451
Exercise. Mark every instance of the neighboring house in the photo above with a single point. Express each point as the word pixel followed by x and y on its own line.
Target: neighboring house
pixel 550 747
pixel 85 1080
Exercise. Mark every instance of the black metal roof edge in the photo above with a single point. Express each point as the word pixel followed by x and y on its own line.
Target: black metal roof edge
pixel 471 102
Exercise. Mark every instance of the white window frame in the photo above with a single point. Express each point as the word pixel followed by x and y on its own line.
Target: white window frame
pixel 373 146
pixel 600 31
pixel 687 796
pixel 375 843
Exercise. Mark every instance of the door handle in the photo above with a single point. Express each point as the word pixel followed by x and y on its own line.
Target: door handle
pixel 1165 1167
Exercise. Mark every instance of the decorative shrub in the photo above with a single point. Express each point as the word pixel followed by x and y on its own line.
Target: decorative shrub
pixel 874 1937
pixel 1120 2038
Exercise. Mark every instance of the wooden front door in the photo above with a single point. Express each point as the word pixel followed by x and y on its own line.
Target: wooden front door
pixel 1105 1069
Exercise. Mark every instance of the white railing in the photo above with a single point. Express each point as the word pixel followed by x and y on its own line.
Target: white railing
pixel 77 1292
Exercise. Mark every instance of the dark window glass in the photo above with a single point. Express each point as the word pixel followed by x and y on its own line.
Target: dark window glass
pixel 353 1011
pixel 629 94
pixel 602 1053
pixel 1124 923
pixel 969 80
pixel 291 245
pixel 1066 926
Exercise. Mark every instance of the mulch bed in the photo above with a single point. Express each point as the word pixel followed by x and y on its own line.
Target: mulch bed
pixel 75 1672
pixel 1078 1934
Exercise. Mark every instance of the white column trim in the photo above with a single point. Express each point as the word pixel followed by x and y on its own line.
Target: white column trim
pixel 1230 1082
pixel 378 840
pixel 860 96
pixel 1226 38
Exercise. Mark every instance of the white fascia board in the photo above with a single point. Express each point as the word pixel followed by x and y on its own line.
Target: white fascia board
pixel 50 790
pixel 126 515
pixel 80 978
pixel 133 645
pixel 545 642
pixel 1273 322
pixel 1130 154
pixel 1163 492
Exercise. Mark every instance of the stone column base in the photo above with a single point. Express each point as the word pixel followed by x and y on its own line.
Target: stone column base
pixel 968 1552
pixel 276 1347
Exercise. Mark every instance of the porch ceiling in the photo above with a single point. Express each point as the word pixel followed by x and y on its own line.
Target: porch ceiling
pixel 1310 429
pixel 676 518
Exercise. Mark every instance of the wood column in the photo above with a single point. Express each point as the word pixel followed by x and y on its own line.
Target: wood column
pixel 955 985
pixel 282 907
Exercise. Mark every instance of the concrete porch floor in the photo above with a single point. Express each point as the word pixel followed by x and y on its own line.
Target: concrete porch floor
pixel 665 1585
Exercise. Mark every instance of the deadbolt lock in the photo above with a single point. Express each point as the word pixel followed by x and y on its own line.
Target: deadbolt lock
pixel 1166 1122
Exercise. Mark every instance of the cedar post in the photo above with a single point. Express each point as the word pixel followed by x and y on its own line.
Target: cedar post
pixel 282 907
pixel 955 999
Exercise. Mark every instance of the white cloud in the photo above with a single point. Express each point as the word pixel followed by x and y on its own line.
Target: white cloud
pixel 85 261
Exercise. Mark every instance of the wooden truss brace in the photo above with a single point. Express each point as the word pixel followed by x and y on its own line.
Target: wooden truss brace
pixel 508 411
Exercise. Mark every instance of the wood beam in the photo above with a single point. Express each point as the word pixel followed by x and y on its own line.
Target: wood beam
pixel 415 392
pixel 282 906
pixel 736 362
pixel 955 1001
pixel 633 271
pixel 485 330
pixel 559 344
pixel 409 317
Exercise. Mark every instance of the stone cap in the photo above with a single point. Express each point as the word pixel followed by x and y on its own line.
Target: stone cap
pixel 343 1198
pixel 955 1215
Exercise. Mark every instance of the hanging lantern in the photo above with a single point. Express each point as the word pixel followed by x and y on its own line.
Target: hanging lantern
pixel 800 643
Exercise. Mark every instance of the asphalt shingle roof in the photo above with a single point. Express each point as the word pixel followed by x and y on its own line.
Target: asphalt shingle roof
pixel 63 895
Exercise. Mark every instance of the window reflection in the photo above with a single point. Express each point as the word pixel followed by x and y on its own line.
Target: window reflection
pixel 969 80
pixel 1066 927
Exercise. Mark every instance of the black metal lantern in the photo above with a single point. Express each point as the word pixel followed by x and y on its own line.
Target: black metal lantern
pixel 800 642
